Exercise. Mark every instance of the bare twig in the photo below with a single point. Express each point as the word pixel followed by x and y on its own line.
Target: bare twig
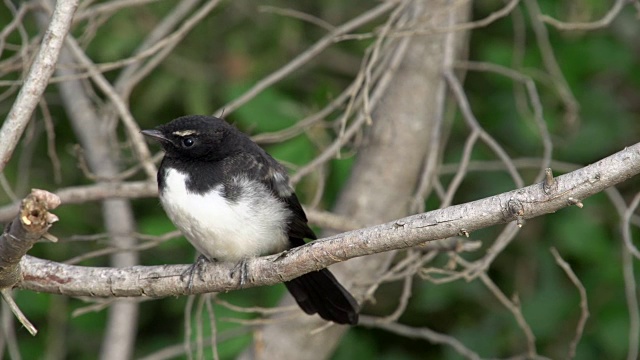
pixel 471 120
pixel 534 99
pixel 134 73
pixel 188 309
pixel 36 80
pixel 584 305
pixel 18 237
pixel 133 131
pixel 31 224
pixel 309 54
pixel 81 194
pixel 626 226
pixel 298 15
pixel 550 62
pixel 360 120
pixel 213 326
pixel 462 170
pixel 421 333
pixel 109 7
pixel 6 295
pixel 591 25
pixel 628 253
pixel 631 294
pixel 514 307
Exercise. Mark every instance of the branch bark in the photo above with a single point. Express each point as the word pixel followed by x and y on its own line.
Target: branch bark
pixel 161 281
pixel 18 237
pixel 31 224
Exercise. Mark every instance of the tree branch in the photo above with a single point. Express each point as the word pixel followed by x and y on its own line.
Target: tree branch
pixel 95 192
pixel 161 281
pixel 31 224
pixel 18 237
pixel 37 79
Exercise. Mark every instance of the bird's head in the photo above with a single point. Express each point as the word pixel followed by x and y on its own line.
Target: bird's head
pixel 196 137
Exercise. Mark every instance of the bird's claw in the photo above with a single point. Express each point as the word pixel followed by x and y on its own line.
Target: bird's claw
pixel 195 268
pixel 241 270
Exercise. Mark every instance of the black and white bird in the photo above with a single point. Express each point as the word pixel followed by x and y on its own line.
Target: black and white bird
pixel 233 201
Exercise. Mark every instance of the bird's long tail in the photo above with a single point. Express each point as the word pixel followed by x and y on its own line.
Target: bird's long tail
pixel 319 292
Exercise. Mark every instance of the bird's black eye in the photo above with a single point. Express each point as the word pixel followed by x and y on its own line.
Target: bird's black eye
pixel 188 142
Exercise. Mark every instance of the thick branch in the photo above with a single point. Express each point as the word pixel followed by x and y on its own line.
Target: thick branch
pixel 31 224
pixel 161 281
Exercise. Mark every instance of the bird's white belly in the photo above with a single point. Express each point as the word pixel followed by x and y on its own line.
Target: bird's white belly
pixel 254 224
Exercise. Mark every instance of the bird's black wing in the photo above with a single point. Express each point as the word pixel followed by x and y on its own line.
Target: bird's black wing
pixel 318 291
pixel 262 167
pixel 298 227
pixel 277 180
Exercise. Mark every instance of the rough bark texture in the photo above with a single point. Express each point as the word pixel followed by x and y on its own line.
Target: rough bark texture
pixel 415 230
pixel 388 165
pixel 31 224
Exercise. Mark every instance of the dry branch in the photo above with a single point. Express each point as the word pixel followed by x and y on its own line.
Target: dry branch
pixel 161 281
pixel 31 224
pixel 37 79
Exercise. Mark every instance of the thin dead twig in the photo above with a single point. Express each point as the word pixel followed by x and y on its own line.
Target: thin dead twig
pixel 302 125
pixel 51 142
pixel 298 15
pixel 462 169
pixel 472 122
pixel 514 307
pixel 630 290
pixel 421 333
pixel 37 79
pixel 133 131
pixel 306 56
pixel 591 25
pixel 626 226
pixel 108 8
pixel 584 305
pixel 534 99
pixel 551 63
pixel 81 194
pixel 134 73
pixel 360 120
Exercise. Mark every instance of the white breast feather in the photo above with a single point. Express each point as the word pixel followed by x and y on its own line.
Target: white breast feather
pixel 253 225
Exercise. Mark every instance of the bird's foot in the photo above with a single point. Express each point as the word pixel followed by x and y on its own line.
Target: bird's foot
pixel 241 270
pixel 195 268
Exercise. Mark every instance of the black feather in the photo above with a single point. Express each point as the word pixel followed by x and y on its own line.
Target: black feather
pixel 319 292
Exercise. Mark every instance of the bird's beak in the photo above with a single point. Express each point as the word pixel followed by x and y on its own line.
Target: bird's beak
pixel 155 134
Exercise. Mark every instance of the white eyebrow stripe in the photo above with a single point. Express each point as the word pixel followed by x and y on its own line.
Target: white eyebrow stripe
pixel 185 132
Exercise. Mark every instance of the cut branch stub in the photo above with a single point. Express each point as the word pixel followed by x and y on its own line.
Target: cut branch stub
pixel 31 224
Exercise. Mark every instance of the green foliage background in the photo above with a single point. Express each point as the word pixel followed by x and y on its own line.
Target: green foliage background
pixel 238 45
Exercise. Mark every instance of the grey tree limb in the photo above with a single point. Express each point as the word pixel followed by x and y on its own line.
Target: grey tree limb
pixel 516 205
pixel 31 224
